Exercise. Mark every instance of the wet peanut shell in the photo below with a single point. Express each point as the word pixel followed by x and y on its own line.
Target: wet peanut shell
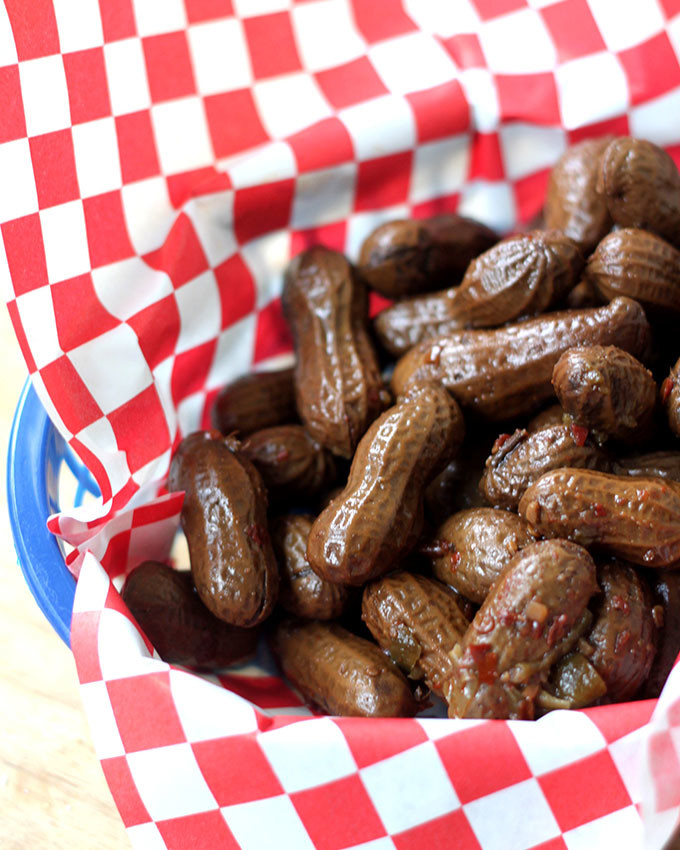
pixel 472 548
pixel 623 634
pixel 338 387
pixel 666 596
pixel 573 683
pixel 182 630
pixel 552 415
pixel 224 517
pixel 670 396
pixel 641 185
pixel 638 265
pixel 417 621
pixel 456 486
pixel 521 276
pixel 605 390
pixel 573 204
pixel 378 517
pixel 411 256
pixel 291 462
pixel 532 616
pixel 519 459
pixel 662 464
pixel 506 372
pixel 255 401
pixel 341 673
pixel 633 518
pixel 302 593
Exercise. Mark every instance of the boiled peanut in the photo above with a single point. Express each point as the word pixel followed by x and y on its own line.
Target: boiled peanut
pixel 338 386
pixel 471 549
pixel 506 372
pixel 662 464
pixel 291 462
pixel 523 275
pixel 224 517
pixel 182 630
pixel 666 596
pixel 633 518
pixel 517 460
pixel 605 390
pixel 411 256
pixel 641 185
pixel 302 592
pixel 573 683
pixel 341 673
pixel 378 517
pixel 533 615
pixel 417 621
pixel 255 401
pixel 572 203
pixel 638 265
pixel 670 398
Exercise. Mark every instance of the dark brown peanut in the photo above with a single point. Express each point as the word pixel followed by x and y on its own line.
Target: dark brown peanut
pixel 638 265
pixel 302 592
pixel 605 390
pixel 623 634
pixel 182 630
pixel 518 460
pixel 411 256
pixel 417 621
pixel 666 596
pixel 663 464
pixel 532 616
pixel 572 204
pixel 506 372
pixel 256 401
pixel 523 275
pixel 290 461
pixel 670 397
pixel 371 525
pixel 633 518
pixel 582 296
pixel 641 186
pixel 472 548
pixel 553 415
pixel 338 386
pixel 455 488
pixel 224 517
pixel 573 683
pixel 341 673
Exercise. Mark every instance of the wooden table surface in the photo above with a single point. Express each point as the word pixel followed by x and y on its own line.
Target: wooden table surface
pixel 52 790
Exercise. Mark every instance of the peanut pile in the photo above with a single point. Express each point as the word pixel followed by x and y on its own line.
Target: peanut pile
pixel 494 519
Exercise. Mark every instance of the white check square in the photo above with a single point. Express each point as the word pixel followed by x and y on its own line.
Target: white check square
pixel 200 311
pixel 126 76
pixel 36 310
pixel 324 196
pixel 411 63
pixel 264 824
pixel 79 23
pixel 289 103
pixel 65 239
pixel 18 196
pixel 326 34
pixel 624 25
pixel 518 43
pixel 220 57
pixel 182 136
pixel 45 96
pixel 95 146
pixel 590 89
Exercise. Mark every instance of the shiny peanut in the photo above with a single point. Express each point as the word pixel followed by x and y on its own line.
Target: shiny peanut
pixel 259 400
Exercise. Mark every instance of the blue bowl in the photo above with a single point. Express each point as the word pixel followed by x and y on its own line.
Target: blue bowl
pixel 37 456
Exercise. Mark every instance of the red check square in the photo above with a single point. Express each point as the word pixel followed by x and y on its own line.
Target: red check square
pixel 190 370
pixel 528 97
pixel 181 255
pixel 651 68
pixel 237 289
pixel 78 312
pixel 124 791
pixel 168 66
pixel 465 50
pixel 461 751
pixel 205 831
pixel 84 630
pixel 322 145
pixel 13 124
pixel 145 712
pixel 373 743
pixel 229 136
pixel 383 182
pixel 530 194
pixel 436 206
pixel 34 26
pixel 221 761
pixel 136 146
pixel 615 721
pixel 351 83
pixel 114 559
pixel 77 408
pixel 118 19
pixel 107 235
pixel 328 825
pixel 262 209
pixel 441 111
pixel 486 158
pixel 207 10
pixel 671 8
pixel 141 445
pixel 331 235
pixel 54 167
pixel 573 29
pixel 489 9
pixel 272 333
pixel 271 45
pixel 25 253
pixel 439 833
pixel 157 329
pixel 584 791
pixel 88 90
pixel 613 126
pixel 378 21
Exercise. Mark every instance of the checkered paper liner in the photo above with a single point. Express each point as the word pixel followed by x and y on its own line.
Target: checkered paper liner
pixel 161 162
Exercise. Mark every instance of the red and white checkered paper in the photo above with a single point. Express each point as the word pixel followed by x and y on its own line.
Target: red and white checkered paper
pixel 160 163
